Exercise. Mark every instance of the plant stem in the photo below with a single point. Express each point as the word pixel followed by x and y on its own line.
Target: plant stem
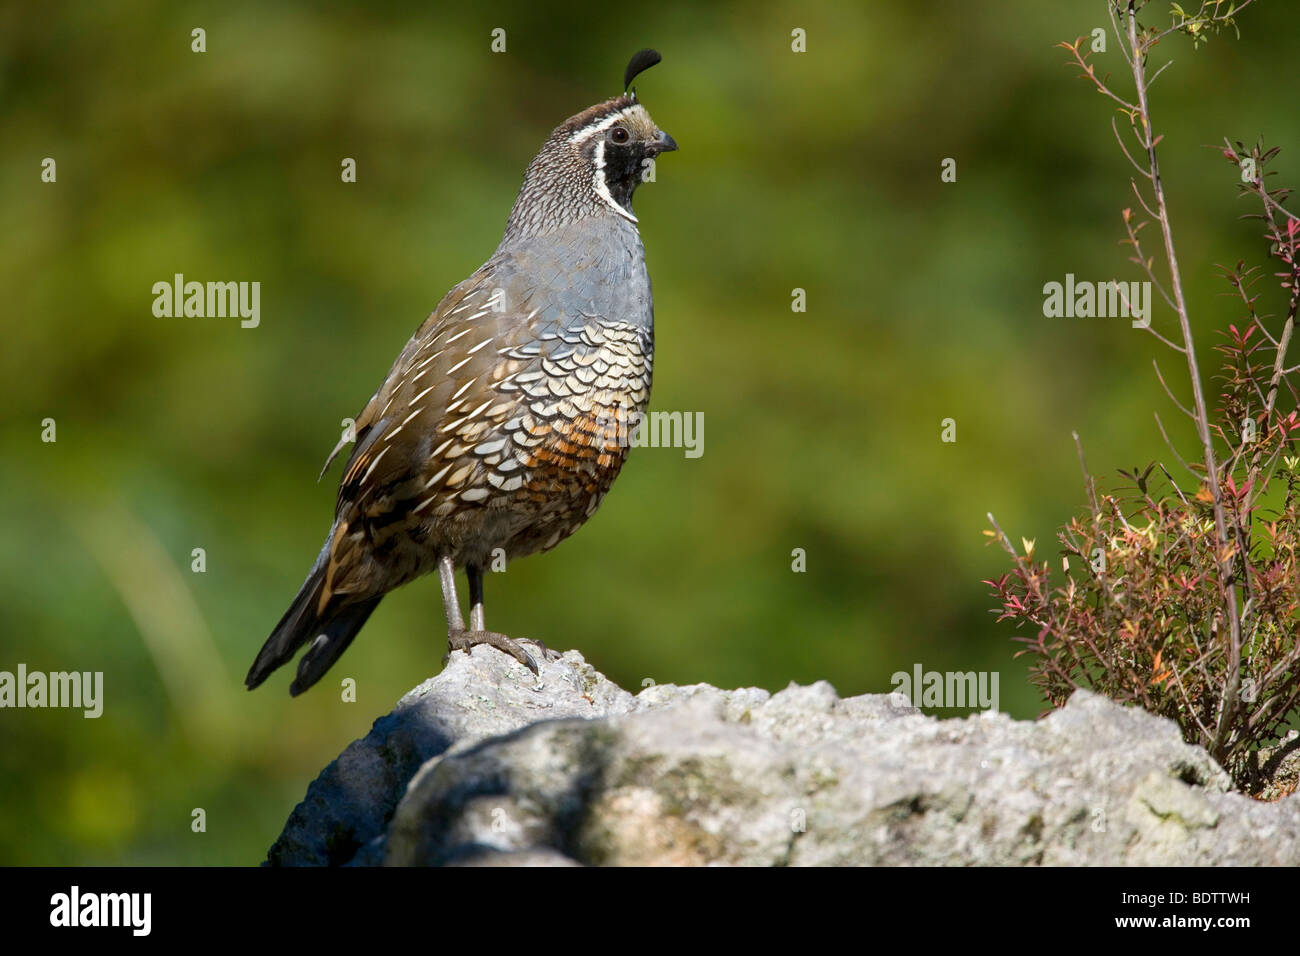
pixel 1223 561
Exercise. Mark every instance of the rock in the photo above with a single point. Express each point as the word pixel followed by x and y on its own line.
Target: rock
pixel 474 698
pixel 486 765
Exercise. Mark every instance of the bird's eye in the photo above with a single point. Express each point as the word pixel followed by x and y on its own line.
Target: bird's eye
pixel 618 135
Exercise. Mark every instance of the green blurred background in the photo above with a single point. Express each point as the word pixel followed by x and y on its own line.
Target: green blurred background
pixel 817 170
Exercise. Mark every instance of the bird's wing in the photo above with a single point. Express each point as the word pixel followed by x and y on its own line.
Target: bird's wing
pixel 364 422
pixel 417 438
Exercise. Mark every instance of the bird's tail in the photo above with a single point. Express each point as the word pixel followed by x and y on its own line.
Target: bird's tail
pixel 330 632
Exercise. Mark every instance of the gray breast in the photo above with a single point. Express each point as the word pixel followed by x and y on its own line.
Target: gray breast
pixel 590 271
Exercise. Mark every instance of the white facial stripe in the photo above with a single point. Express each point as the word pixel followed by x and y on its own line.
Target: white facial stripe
pixel 602 188
pixel 606 123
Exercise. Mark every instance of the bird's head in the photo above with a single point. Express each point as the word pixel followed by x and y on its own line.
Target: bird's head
pixel 593 161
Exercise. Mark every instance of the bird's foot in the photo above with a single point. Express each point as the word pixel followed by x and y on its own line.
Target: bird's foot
pixel 464 640
pixel 546 652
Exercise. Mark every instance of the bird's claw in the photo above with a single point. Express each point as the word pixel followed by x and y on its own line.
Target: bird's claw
pixel 465 640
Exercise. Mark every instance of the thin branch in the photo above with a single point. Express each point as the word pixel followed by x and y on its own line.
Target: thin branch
pixel 1177 404
pixel 1165 435
pixel 1147 173
pixel 1226 590
pixel 1087 478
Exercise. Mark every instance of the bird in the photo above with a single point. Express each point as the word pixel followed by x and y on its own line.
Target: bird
pixel 504 420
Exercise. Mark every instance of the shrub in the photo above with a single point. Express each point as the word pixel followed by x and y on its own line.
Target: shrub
pixel 1182 590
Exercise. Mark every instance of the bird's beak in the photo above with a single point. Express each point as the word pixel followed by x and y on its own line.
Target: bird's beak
pixel 664 143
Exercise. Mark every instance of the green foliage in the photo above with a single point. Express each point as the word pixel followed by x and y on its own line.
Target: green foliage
pixel 1209 18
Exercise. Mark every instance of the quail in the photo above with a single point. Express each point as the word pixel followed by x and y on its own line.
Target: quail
pixel 501 425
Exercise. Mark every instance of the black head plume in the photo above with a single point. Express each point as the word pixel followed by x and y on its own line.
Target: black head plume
pixel 640 62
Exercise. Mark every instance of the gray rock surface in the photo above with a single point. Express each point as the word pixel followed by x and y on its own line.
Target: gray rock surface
pixel 486 765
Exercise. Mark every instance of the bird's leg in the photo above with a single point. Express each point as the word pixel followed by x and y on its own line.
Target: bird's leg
pixel 459 639
pixel 450 599
pixel 475 574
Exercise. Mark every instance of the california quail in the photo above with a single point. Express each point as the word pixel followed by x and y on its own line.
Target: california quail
pixel 503 421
